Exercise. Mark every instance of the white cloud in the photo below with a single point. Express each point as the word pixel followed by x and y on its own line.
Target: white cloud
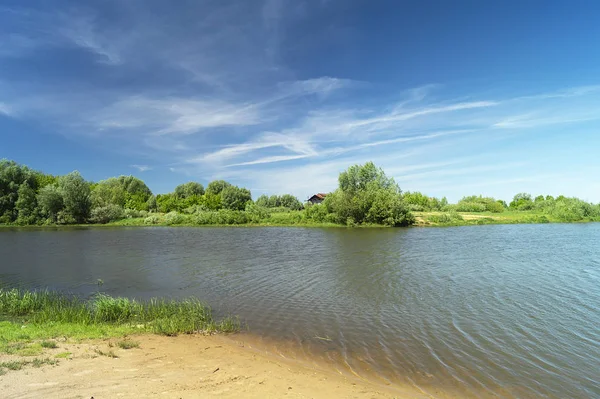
pixel 5 109
pixel 142 168
pixel 174 115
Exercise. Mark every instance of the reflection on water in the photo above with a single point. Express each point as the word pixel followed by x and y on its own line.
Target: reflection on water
pixel 486 311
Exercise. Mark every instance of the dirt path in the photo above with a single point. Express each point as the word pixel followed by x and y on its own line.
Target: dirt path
pixel 182 367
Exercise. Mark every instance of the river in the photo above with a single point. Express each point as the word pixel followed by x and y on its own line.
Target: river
pixel 509 311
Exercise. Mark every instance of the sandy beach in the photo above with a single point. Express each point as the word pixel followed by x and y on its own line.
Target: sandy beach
pixel 183 367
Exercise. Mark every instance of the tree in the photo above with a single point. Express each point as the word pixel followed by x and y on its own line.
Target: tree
pixel 137 193
pixel 522 202
pixel 50 200
pixel 367 195
pixel 217 186
pixel 190 189
pixel 76 196
pixel 235 198
pixel 108 192
pixel 12 176
pixel 26 205
pixel 263 201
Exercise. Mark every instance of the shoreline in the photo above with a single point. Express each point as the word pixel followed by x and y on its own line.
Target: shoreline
pixel 186 366
pixel 469 220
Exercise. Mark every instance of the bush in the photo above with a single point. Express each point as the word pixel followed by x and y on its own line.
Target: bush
pixel 152 219
pixel 470 207
pixel 257 213
pixel 448 217
pixel 107 213
pixel 173 218
pixel 317 212
pixel 134 213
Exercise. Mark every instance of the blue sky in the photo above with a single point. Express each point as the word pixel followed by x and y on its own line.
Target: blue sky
pixel 450 98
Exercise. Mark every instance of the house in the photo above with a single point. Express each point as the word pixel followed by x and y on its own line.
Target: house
pixel 317 198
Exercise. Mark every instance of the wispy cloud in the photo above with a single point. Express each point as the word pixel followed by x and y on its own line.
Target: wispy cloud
pixel 5 109
pixel 212 92
pixel 142 168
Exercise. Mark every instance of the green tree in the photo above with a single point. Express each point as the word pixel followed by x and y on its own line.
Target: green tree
pixel 190 189
pixel 522 202
pixel 217 186
pixel 108 192
pixel 76 196
pixel 12 176
pixel 50 200
pixel 235 198
pixel 137 193
pixel 26 205
pixel 367 195
pixel 263 201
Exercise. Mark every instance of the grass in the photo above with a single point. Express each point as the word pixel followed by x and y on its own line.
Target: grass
pixel 49 344
pixel 109 353
pixel 31 321
pixel 128 344
pixel 481 218
pixel 71 315
pixel 15 365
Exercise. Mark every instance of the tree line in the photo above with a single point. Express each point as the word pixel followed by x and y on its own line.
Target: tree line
pixel 365 195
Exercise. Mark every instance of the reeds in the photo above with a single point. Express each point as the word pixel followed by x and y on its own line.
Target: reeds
pixel 161 316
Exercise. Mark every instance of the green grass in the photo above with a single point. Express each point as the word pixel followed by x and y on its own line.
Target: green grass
pixel 15 365
pixel 49 344
pixel 128 344
pixel 31 321
pixel 27 317
pixel 63 355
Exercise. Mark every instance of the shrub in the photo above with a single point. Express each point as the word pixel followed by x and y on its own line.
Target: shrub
pixel 256 213
pixel 317 213
pixel 470 207
pixel 107 213
pixel 173 218
pixel 134 213
pixel 448 217
pixel 152 219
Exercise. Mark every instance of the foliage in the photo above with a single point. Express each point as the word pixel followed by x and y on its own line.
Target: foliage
pixel 417 201
pixel 76 196
pixel 235 198
pixel 26 205
pixel 51 201
pixel 189 189
pixel 479 203
pixel 108 192
pixel 446 218
pixel 367 195
pixel 216 187
pixel 107 213
pixel 522 202
pixel 280 201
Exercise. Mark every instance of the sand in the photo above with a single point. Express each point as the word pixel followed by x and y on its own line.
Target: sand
pixel 184 367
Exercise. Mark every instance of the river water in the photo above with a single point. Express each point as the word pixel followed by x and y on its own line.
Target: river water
pixel 510 311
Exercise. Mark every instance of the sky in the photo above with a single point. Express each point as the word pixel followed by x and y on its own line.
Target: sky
pixel 450 98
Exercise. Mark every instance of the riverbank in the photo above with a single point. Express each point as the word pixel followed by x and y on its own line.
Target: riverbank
pixel 187 366
pixel 422 219
pixel 54 345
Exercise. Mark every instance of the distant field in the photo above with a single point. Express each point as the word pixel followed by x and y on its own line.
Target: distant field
pixel 471 218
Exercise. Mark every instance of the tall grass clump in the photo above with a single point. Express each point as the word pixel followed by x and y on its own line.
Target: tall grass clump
pixel 162 316
pixel 446 218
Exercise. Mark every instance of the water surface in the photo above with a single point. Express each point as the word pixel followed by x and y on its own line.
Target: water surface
pixel 509 311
